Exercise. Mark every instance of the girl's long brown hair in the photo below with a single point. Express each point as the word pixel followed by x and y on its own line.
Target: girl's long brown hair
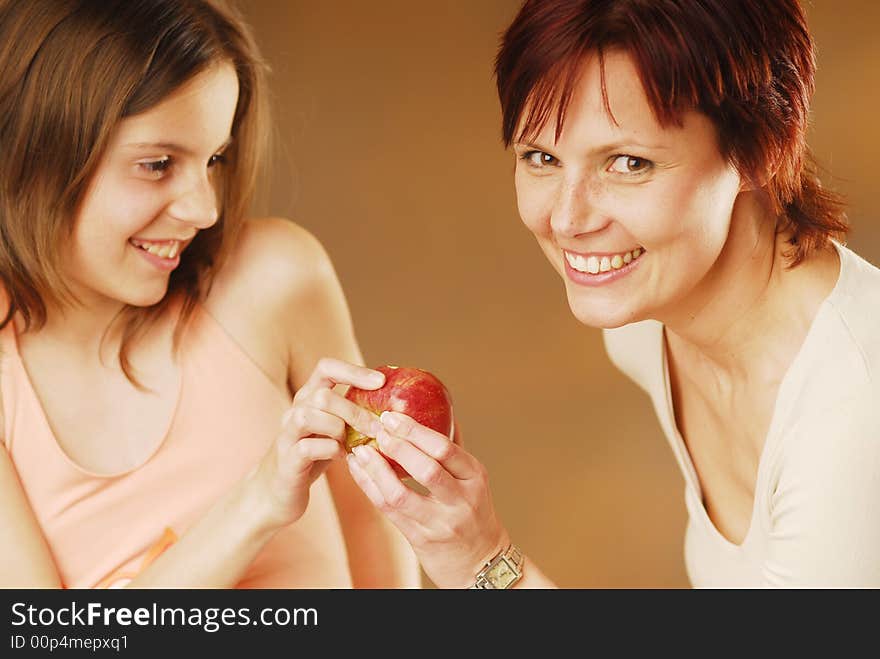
pixel 748 65
pixel 70 71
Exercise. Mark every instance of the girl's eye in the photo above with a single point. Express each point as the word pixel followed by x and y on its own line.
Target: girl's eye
pixel 156 168
pixel 539 159
pixel 629 165
pixel 216 159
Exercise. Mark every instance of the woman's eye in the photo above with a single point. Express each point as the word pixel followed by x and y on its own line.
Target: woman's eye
pixel 539 159
pixel 156 168
pixel 216 159
pixel 629 165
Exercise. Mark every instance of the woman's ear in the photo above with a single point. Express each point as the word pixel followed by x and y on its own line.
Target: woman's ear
pixel 761 176
pixel 752 182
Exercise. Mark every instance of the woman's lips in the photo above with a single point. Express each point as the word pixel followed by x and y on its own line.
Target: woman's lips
pixel 601 269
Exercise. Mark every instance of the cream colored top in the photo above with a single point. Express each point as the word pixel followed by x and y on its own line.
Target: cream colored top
pixel 816 513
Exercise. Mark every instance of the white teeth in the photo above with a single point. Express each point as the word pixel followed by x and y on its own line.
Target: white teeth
pixel 595 264
pixel 577 261
pixel 165 251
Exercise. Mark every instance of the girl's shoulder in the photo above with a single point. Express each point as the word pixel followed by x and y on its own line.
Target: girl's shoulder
pixel 274 270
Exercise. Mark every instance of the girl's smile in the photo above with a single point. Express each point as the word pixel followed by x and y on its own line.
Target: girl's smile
pixel 154 190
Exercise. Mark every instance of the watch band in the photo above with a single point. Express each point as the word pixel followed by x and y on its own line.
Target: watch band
pixel 502 571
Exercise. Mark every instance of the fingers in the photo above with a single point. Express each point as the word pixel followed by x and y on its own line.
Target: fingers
pixel 330 372
pixel 315 449
pixel 454 459
pixel 422 467
pixel 304 421
pixel 331 402
pixel 384 489
pixel 305 460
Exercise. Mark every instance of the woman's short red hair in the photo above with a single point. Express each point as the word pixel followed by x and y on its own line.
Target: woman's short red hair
pixel 748 65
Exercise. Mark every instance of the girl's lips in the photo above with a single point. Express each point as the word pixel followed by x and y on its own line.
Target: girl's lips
pixel 602 278
pixel 164 264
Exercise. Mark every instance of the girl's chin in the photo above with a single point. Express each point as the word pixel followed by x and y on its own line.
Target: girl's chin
pixel 146 297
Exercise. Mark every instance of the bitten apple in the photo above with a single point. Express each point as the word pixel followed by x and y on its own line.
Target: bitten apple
pixel 411 391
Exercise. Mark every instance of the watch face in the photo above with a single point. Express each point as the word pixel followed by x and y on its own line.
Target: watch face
pixel 501 575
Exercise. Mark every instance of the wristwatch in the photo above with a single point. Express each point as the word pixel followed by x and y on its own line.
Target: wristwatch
pixel 502 571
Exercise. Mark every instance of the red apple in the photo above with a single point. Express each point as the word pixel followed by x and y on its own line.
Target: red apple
pixel 411 391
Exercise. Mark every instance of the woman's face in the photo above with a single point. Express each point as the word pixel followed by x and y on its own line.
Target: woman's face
pixel 632 216
pixel 152 192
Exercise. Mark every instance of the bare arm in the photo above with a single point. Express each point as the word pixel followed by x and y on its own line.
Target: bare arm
pixel 379 556
pixel 27 561
pixel 303 314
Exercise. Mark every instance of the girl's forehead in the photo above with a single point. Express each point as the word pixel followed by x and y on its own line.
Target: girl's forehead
pixel 200 111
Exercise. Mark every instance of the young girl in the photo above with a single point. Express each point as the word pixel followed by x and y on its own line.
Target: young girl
pixel 661 165
pixel 152 339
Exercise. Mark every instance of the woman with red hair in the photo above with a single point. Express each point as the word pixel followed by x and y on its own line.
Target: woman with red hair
pixel 661 164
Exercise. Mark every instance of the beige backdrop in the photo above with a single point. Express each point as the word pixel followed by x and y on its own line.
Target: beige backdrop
pixel 389 128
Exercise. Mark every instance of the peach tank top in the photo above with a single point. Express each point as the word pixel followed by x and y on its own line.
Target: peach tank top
pixel 102 530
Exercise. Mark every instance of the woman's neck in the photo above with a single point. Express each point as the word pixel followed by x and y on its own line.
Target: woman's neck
pixel 748 317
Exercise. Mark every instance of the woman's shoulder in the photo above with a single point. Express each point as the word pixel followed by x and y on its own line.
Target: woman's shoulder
pixel 836 437
pixel 275 267
pixel 840 358
pixel 855 301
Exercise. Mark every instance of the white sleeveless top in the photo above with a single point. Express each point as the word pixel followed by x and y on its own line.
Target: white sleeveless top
pixel 816 513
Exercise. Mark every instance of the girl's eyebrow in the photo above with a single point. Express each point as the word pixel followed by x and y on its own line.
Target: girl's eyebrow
pixel 172 146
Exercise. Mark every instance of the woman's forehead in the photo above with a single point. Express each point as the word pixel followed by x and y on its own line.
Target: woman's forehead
pixel 606 98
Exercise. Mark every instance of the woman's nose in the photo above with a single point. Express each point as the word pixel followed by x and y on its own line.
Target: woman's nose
pixel 576 210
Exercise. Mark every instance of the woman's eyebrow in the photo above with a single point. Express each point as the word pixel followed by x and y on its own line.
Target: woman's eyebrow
pixel 617 145
pixel 525 144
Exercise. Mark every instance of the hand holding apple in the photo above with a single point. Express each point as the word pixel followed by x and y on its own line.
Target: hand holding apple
pixel 411 391
pixel 452 527
pixel 312 435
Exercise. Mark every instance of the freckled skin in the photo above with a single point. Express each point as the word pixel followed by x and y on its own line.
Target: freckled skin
pixel 410 391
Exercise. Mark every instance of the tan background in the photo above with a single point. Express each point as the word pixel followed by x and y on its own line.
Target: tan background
pixel 389 128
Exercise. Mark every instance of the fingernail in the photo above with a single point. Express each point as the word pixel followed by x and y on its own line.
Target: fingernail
pixel 352 463
pixel 375 428
pixel 389 421
pixel 382 437
pixel 377 378
pixel 361 454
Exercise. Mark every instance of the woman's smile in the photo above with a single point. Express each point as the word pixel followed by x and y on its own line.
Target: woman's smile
pixel 599 268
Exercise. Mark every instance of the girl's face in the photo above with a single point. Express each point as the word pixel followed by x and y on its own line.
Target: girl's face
pixel 153 191
pixel 633 216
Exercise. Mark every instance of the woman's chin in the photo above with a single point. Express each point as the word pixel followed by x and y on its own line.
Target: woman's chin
pixel 603 316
